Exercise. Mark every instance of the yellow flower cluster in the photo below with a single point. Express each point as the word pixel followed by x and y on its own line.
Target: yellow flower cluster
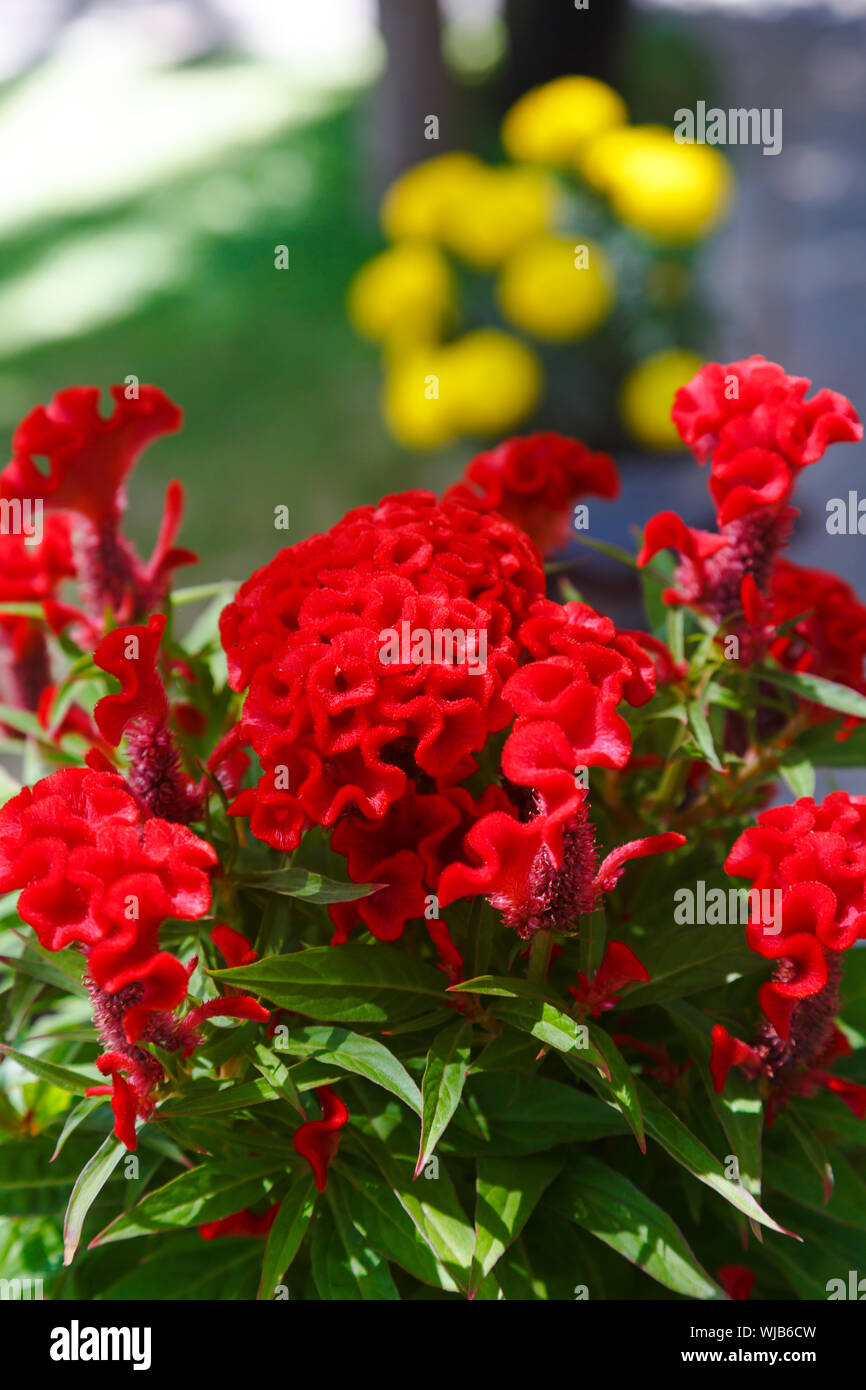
pixel 484 383
pixel 675 194
pixel 505 220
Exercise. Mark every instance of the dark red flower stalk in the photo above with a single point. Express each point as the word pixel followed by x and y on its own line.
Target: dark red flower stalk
pixel 533 481
pixel 808 865
pixel 318 1140
pixel 89 461
pixel 140 712
pixel 619 968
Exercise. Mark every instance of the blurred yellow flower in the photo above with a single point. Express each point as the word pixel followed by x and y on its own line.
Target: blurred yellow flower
pixel 404 295
pixel 674 193
pixel 500 208
pixel 493 381
pixel 557 288
pixel 550 123
pixel 647 396
pixel 417 203
pixel 415 411
pixel 484 383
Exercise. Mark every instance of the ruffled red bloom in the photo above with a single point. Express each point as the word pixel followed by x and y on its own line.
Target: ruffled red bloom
pixel 140 711
pixel 318 1140
pixel 95 870
pixel 341 719
pixel 752 420
pixel 89 461
pixel 813 858
pixel 533 482
pixel 726 409
pixel 619 967
pixel 736 1280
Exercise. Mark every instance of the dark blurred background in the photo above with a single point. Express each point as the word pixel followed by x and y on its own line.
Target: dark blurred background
pixel 154 152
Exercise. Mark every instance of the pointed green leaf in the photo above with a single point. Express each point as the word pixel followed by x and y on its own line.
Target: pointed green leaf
pixel 442 1084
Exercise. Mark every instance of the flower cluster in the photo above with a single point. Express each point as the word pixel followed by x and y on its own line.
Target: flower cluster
pixel 97 872
pixel 752 421
pixel 513 225
pixel 814 857
pixel 337 718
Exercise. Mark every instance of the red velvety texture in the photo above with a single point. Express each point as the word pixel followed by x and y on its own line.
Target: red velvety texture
pixel 324 712
pixel 533 480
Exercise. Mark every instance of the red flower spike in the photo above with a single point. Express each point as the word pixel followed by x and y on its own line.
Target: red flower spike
pixel 318 1140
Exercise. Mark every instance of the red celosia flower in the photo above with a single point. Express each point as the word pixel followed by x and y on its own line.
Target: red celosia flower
pixel 233 946
pixel 140 711
pixel 754 403
pixel 94 869
pixel 824 626
pixel 89 461
pixel 318 1140
pixel 349 696
pixel 736 1280
pixel 533 481
pixel 752 420
pixel 619 967
pixel 812 858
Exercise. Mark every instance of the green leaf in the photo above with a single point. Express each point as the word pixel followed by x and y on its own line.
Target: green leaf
pixel 690 959
pixel 506 1195
pixel 203 1097
pixel 286 1234
pixel 64 1078
pixel 703 736
pixel 686 1149
pixel 552 1027
pixel 88 1185
pixel 354 1053
pixel 206 1193
pixel 612 1209
pixel 797 773
pixel 815 688
pixel 73 1119
pixel 312 887
pixel 442 1084
pixel 529 1118
pixel 345 1265
pixel 343 984
pixel 621 1083
pixel 376 1212
pixel 739 1108
pixel 277 1075
pixel 814 1150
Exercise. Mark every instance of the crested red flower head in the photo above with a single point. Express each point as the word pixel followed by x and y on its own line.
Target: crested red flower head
pixel 95 870
pixel 533 481
pixel 90 458
pixel 807 865
pixel 374 655
pixel 32 568
pixel 318 1140
pixel 751 419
